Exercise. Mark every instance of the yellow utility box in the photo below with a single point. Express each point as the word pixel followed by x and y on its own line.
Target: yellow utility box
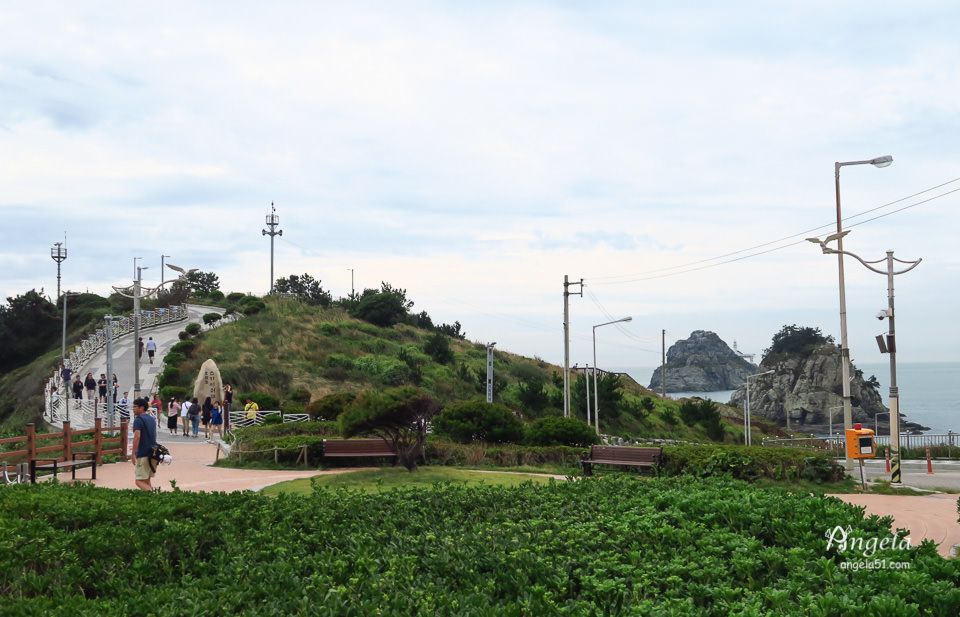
pixel 860 442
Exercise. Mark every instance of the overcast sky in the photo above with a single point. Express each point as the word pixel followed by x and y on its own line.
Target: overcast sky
pixel 475 153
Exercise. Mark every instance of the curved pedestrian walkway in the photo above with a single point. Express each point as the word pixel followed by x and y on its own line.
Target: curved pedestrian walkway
pixel 930 516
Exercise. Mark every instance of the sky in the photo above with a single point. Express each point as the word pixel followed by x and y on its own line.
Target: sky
pixel 671 155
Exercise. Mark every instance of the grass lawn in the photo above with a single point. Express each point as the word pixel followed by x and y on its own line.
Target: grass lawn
pixel 373 480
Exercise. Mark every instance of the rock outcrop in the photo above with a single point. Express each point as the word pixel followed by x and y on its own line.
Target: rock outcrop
pixel 702 363
pixel 807 388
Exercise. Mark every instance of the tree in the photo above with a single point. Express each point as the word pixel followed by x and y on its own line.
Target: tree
pixel 202 283
pixel 305 287
pixel 453 331
pixel 437 347
pixel 29 325
pixel 608 395
pixel 798 340
pixel 470 421
pixel 384 307
pixel 399 416
pixel 533 396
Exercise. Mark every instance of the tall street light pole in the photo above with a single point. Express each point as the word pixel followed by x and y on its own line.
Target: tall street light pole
pixel 748 436
pixel 888 346
pixel 136 333
pixel 881 161
pixel 162 271
pixel 59 254
pixel 596 398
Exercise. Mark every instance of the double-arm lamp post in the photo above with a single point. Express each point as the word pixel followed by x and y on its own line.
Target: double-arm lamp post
pixel 880 161
pixel 888 346
pixel 596 398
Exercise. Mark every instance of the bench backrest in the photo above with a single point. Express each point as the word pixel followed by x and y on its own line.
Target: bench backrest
pixel 626 454
pixel 357 447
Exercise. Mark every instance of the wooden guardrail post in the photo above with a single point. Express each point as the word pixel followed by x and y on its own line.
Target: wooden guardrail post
pixel 123 439
pixel 97 440
pixel 31 441
pixel 67 434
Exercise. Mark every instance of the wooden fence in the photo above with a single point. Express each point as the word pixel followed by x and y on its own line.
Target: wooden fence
pixel 99 440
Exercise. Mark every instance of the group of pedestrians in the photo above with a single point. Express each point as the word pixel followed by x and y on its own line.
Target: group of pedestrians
pixel 97 390
pixel 191 415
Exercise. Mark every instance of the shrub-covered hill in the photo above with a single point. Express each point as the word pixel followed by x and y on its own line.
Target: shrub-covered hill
pixel 290 354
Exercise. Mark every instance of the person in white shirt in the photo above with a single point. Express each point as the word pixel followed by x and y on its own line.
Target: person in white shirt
pixel 184 410
pixel 151 348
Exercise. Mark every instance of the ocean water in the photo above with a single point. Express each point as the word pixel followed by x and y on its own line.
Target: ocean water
pixel 929 391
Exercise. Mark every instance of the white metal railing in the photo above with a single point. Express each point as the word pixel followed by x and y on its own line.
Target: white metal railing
pixel 838 442
pixel 240 418
pixel 87 348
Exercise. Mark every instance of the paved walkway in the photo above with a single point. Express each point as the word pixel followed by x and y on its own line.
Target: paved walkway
pixel 927 516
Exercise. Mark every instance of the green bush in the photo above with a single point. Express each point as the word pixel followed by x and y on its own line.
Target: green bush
pixel 329 329
pixel 609 546
pixel 554 431
pixel 169 377
pixel 216 295
pixel 437 346
pixel 210 318
pixel 192 329
pixel 330 406
pixel 299 396
pixel 168 392
pixel 266 402
pixel 273 418
pixel 470 421
pixel 185 347
pixel 337 360
pixel 174 358
pixel 750 463
pixel 441 452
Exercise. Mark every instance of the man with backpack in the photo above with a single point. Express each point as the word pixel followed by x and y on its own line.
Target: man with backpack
pixel 144 439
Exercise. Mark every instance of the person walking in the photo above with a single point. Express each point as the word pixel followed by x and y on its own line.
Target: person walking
pixel 156 406
pixel 151 348
pixel 91 386
pixel 116 388
pixel 140 350
pixel 184 415
pixel 216 419
pixel 195 418
pixel 206 416
pixel 65 374
pixel 173 412
pixel 78 391
pixel 144 438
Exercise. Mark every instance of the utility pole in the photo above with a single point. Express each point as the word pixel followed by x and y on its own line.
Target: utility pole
pixel 490 372
pixel 663 364
pixel 136 334
pixel 58 253
pixel 566 340
pixel 272 221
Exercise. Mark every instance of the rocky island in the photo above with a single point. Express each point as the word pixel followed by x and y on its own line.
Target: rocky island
pixel 702 363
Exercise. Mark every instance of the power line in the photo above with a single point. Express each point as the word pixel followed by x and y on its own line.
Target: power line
pixel 777 244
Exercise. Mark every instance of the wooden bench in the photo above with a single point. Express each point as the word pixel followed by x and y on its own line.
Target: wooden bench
pixel 348 448
pixel 80 459
pixel 625 456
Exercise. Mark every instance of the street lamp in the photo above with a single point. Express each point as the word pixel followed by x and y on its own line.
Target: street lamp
pixel 746 413
pixel 162 277
pixel 596 398
pixel 880 161
pixel 890 346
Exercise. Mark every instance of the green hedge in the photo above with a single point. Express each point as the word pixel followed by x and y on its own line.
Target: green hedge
pixel 750 463
pixel 437 452
pixel 611 546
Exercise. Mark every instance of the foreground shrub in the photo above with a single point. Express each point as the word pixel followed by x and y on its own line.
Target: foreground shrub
pixel 750 463
pixel 612 546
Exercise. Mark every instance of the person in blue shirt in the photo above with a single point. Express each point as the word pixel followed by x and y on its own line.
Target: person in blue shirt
pixel 144 438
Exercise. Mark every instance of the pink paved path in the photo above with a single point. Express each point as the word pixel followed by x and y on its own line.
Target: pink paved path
pixel 931 516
